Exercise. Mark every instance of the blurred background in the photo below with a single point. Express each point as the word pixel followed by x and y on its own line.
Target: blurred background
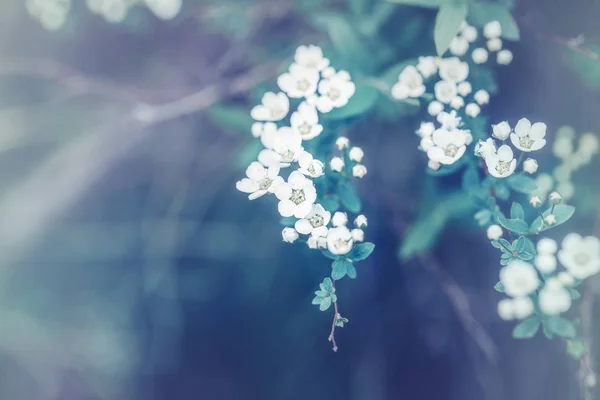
pixel 131 267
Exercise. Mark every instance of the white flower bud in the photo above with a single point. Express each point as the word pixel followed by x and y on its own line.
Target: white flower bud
pixel 312 242
pixel 535 201
pixel 504 57
pixel 339 219
pixel 289 235
pixel 342 142
pixel 434 108
pixel 336 164
pixel 522 307
pixel 547 246
pixel 469 33
pixel 506 309
pixel 482 97
pixel 530 166
pixel 257 129
pixel 464 88
pixel 358 235
pixel 328 72
pixel 550 220
pixel 457 102
pixel 588 143
pixel 359 171
pixel 501 131
pixel 322 242
pixel 472 110
pixel 458 46
pixel 433 165
pixel 356 154
pixel 555 198
pixel 494 232
pixel 566 279
pixel 426 143
pixel 566 189
pixel 492 29
pixel 360 221
pixel 554 299
pixel 494 44
pixel 590 380
pixel 546 263
pixel 562 147
pixel 479 55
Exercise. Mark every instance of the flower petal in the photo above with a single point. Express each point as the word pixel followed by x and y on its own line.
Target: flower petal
pixel 538 131
pixel 302 209
pixel 505 153
pixel 523 127
pixel 283 191
pixel 247 185
pixel 286 208
pixel 303 226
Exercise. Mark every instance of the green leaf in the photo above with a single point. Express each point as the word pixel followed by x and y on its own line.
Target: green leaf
pixel 502 191
pixel 325 304
pixel 521 183
pixel 527 328
pixel 318 300
pixel 359 7
pixel 351 271
pixel 232 119
pixel 328 285
pixel 331 203
pixel 576 348
pixel 248 153
pixel 586 68
pixel 349 197
pixel 517 211
pixel 481 13
pixel 575 295
pixel 515 225
pixel 361 251
pixel 499 287
pixel 340 322
pixel 561 326
pixel 343 36
pixel 447 24
pixel 330 255
pixel 339 268
pixel 562 212
pixel 363 100
pixel 483 217
pixel 288 221
pixel 425 3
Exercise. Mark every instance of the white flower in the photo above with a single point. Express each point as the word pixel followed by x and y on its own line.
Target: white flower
pixel 494 232
pixel 535 201
pixel 359 171
pixel 482 97
pixel 268 134
pixel 288 144
pixel 580 256
pixel 530 166
pixel 554 299
pixel 358 235
pixel 427 66
pixel 339 240
pixel 426 129
pixel 459 46
pixel 296 196
pixel 484 149
pixel 339 219
pixel 522 307
pixel 527 137
pixel 457 102
pixel 566 189
pixel 519 278
pixel 268 158
pixel 305 121
pixel 260 180
pixel 464 88
pixel 566 279
pixel 356 154
pixel 257 129
pixel 492 29
pixel 309 166
pixel 342 142
pixel 312 242
pixel 555 198
pixel 502 163
pixel 449 146
pixel 588 143
pixel 504 57
pixel 328 72
pixel 274 107
pixel 311 57
pixel 472 110
pixel 434 108
pixel 337 164
pixel 164 9
pixel 469 33
pixel 299 81
pixel 547 246
pixel 479 55
pixel 562 147
pixel 445 91
pixel 546 263
pixel 289 235
pixel 506 310
pixel 315 222
pixel 360 221
pixel 335 92
pixel 501 131
pixel 410 84
pixel 550 219
pixel 454 70
pixel 494 44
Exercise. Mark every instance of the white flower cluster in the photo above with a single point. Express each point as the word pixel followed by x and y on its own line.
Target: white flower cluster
pixel 52 14
pixel 444 145
pixel 115 11
pixel 526 137
pixel 320 89
pixel 580 258
pixel 492 32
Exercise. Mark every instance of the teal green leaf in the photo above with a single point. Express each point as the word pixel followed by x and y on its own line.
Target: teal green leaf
pixel 361 251
pixel 343 36
pixel 248 153
pixel 318 300
pixel 521 183
pixel 362 102
pixel 561 326
pixel 527 328
pixel 331 203
pixel 339 268
pixel 586 68
pixel 517 211
pixel 330 255
pixel 340 322
pixel 325 304
pixel 576 348
pixel 480 13
pixel 499 287
pixel 447 24
pixel 232 119
pixel 328 285
pixel 426 3
pixel 515 225
pixel 575 295
pixel 351 271
pixel 349 197
pixel 483 217
pixel 359 7
pixel 562 212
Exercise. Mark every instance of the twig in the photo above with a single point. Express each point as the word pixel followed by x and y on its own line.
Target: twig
pixel 586 364
pixel 336 317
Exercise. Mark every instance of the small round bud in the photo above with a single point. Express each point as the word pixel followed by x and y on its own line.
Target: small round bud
pixel 479 55
pixel 356 154
pixel 523 307
pixel 566 279
pixel 547 246
pixel 359 171
pixel 590 380
pixel 457 102
pixel 482 97
pixel 361 221
pixel 535 201
pixel 588 142
pixel 336 164
pixel 501 131
pixel 358 235
pixel 550 220
pixel 328 72
pixel 257 129
pixel 494 44
pixel 492 29
pixel 506 309
pixel 555 198
pixel 472 110
pixel 342 142
pixel 434 108
pixel 494 232
pixel 566 189
pixel 322 242
pixel 464 88
pixel 339 219
pixel 426 143
pixel 504 57
pixel 530 166
pixel 312 242
pixel 289 235
pixel 433 165
pixel 458 46
pixel 469 33
pixel 546 263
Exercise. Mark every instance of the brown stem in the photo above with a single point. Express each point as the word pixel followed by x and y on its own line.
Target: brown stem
pixel 336 316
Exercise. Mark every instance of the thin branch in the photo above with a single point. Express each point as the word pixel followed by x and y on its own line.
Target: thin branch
pixel 586 364
pixel 336 317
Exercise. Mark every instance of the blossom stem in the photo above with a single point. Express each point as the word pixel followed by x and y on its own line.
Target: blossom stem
pixel 336 316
